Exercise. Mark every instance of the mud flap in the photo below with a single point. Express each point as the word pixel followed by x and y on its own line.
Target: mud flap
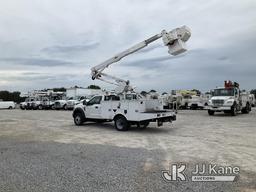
pixel 159 123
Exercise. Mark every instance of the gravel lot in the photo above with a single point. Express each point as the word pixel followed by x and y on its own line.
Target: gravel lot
pixel 45 151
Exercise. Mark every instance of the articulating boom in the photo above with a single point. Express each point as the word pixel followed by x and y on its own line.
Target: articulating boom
pixel 175 40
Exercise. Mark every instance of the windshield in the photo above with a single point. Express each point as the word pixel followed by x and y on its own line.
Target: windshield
pixel 223 92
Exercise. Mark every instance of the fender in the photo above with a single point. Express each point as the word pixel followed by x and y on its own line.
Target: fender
pixel 78 110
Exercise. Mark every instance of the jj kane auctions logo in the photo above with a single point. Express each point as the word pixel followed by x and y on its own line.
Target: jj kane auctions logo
pixel 201 172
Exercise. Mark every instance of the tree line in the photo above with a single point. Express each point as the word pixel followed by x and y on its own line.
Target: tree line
pixel 15 96
pixel 11 96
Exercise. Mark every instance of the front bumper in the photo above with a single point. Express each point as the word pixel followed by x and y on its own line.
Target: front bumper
pixel 219 108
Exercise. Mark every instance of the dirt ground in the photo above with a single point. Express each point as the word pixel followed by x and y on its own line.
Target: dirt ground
pixel 140 154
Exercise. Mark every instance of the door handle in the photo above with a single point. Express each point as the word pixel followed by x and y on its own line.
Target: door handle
pixel 96 107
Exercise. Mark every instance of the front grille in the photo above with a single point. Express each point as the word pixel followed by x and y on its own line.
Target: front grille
pixel 218 102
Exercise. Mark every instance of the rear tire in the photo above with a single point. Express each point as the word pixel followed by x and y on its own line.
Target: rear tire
pixel 210 112
pixel 78 119
pixel 121 123
pixel 10 107
pixel 246 110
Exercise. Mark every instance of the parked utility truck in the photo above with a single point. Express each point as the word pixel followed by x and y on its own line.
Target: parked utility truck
pixel 126 107
pixel 229 99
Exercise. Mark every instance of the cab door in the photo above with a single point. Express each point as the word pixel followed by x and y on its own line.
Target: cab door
pixel 93 108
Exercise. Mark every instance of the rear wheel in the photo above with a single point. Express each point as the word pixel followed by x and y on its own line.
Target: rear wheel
pixel 210 112
pixel 40 107
pixel 246 110
pixel 121 123
pixel 10 107
pixel 78 119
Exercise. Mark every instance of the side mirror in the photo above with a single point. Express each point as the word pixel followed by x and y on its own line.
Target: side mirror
pixel 84 102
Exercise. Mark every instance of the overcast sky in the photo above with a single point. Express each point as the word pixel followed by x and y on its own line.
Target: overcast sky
pixel 53 43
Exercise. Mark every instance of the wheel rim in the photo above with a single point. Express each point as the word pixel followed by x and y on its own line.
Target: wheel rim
pixel 119 124
pixel 78 120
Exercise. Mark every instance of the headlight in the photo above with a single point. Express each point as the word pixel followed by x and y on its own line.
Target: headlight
pixel 230 101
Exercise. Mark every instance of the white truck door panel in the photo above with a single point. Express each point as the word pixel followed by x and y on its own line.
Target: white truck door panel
pixel 94 111
pixel 93 108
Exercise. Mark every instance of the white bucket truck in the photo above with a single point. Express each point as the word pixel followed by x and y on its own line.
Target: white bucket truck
pixel 229 99
pixel 126 107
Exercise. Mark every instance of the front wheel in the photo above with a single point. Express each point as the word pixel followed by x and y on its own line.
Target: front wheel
pixel 233 110
pixel 121 123
pixel 210 112
pixel 78 119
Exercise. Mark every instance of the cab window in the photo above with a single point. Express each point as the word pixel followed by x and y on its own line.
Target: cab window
pixel 130 97
pixel 112 98
pixel 95 100
pixel 236 92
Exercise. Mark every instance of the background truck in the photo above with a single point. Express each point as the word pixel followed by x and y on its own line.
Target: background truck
pixel 126 107
pixel 229 99
pixel 7 105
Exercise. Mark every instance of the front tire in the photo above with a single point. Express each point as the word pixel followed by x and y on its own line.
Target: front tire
pixel 78 119
pixel 121 123
pixel 210 112
pixel 233 110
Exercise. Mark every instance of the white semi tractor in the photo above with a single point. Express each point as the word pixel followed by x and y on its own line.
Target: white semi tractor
pixel 229 99
pixel 126 107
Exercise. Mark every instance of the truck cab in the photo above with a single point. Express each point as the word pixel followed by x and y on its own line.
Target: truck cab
pixel 125 110
pixel 229 99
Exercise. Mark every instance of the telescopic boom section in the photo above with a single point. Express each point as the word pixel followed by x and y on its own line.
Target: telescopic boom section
pixel 174 40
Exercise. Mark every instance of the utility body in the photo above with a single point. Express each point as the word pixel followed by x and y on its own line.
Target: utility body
pixel 124 112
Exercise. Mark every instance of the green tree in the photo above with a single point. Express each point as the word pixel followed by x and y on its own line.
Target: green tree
pixel 93 87
pixel 11 96
pixel 144 93
pixel 61 89
pixel 253 91
pixel 197 91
